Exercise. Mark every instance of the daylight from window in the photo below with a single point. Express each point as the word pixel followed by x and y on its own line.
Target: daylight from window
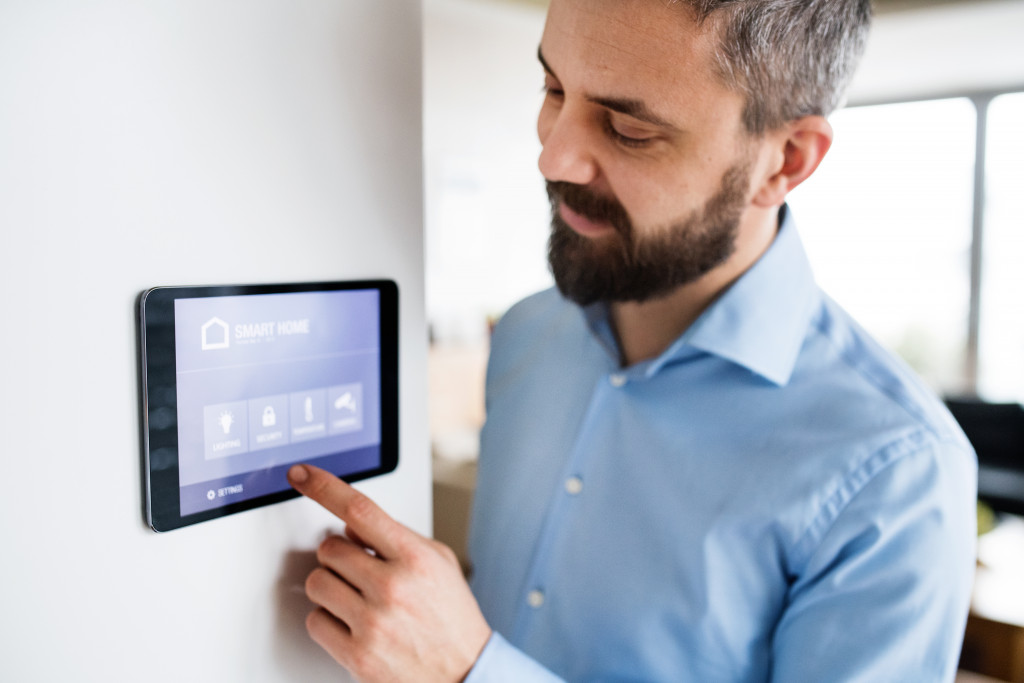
pixel 887 220
pixel 1001 339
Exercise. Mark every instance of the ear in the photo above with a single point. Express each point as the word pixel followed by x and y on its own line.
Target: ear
pixel 797 149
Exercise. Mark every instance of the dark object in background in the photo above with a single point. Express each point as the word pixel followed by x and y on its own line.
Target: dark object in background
pixel 996 430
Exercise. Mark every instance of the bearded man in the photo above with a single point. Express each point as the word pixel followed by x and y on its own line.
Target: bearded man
pixel 696 466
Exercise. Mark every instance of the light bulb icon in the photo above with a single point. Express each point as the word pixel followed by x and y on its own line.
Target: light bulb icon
pixel 226 420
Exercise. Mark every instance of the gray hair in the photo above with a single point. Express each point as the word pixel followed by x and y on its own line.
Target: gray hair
pixel 789 58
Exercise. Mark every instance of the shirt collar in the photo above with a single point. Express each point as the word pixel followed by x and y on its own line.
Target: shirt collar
pixel 760 322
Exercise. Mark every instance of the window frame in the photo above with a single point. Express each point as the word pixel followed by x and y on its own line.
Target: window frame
pixel 981 99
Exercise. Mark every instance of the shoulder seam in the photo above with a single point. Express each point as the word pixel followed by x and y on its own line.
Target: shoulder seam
pixel 843 354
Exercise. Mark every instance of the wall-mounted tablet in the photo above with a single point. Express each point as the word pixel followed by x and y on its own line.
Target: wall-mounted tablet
pixel 241 382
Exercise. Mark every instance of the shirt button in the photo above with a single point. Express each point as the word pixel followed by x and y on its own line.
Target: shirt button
pixel 535 598
pixel 573 485
pixel 617 380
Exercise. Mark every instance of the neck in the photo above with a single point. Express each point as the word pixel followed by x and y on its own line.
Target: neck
pixel 645 330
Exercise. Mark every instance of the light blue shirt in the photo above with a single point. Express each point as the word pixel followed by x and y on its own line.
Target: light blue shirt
pixel 775 497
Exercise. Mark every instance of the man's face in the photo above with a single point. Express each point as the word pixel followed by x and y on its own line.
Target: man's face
pixel 647 164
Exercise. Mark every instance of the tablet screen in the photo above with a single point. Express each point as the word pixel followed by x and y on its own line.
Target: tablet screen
pixel 265 377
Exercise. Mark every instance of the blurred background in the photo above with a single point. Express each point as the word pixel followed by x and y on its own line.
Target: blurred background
pixel 913 223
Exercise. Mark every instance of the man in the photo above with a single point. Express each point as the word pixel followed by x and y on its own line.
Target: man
pixel 695 466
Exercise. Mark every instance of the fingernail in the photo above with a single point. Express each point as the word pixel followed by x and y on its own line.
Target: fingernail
pixel 298 474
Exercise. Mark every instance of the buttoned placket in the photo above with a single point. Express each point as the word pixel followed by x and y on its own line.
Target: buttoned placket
pixel 571 486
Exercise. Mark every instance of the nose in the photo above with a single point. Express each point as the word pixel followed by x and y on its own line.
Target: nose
pixel 567 145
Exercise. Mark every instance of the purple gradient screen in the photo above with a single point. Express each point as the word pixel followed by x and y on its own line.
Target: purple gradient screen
pixel 265 381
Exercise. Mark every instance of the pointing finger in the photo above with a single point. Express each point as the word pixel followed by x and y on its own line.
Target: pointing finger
pixel 370 524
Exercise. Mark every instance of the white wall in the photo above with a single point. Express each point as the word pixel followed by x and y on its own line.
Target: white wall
pixel 182 142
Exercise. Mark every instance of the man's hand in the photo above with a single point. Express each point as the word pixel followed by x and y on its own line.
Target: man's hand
pixel 393 604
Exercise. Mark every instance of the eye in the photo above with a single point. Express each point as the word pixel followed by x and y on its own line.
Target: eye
pixel 552 87
pixel 627 137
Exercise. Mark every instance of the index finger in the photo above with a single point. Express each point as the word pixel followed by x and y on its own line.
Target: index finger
pixel 371 524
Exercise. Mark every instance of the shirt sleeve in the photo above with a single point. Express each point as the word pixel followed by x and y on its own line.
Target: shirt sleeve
pixel 884 590
pixel 500 662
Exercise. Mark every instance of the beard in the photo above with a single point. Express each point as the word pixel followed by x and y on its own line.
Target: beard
pixel 626 266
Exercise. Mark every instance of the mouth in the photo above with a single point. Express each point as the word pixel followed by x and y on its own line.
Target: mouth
pixel 582 225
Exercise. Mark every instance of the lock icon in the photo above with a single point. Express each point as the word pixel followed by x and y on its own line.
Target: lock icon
pixel 269 417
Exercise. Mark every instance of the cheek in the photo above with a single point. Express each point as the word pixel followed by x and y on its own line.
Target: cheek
pixel 656 199
pixel 644 197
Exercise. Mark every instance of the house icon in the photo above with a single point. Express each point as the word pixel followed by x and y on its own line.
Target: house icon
pixel 215 334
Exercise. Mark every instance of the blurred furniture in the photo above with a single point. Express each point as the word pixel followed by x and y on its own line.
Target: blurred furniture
pixel 454 483
pixel 996 430
pixel 994 640
pixel 971 677
pixel 993 647
pixel 456 374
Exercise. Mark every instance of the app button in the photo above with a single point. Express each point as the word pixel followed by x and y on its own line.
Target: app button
pixel 225 429
pixel 345 404
pixel 308 415
pixel 268 422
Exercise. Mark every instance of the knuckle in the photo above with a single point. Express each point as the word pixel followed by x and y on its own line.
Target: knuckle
pixel 446 553
pixel 413 548
pixel 375 640
pixel 317 583
pixel 329 548
pixel 409 551
pixel 370 628
pixel 315 625
pixel 391 588
pixel 361 662
pixel 386 587
pixel 325 630
pixel 423 555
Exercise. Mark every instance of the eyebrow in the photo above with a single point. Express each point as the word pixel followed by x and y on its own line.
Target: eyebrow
pixel 628 106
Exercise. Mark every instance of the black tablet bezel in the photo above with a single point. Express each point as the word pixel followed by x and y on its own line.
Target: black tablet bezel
pixel 158 388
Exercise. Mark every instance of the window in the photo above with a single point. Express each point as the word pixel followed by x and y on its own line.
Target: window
pixel 886 221
pixel 920 242
pixel 1001 338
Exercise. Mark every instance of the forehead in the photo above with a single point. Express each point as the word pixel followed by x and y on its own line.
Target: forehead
pixel 652 50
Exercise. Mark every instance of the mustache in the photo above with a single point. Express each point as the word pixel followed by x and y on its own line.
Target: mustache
pixel 589 204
